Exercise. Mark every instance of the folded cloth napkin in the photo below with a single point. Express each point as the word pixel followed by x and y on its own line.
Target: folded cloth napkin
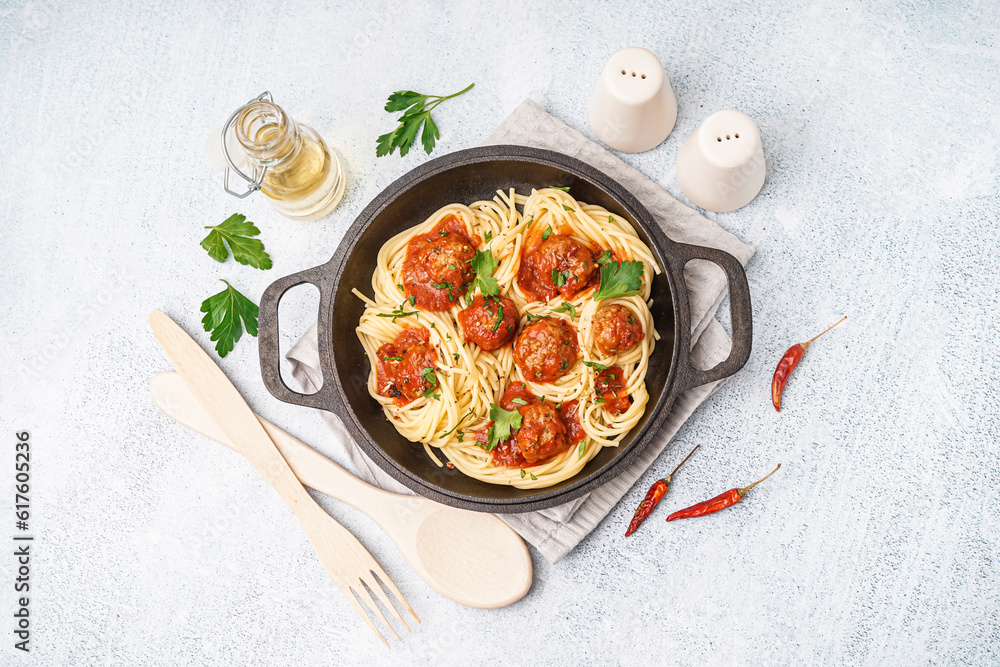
pixel 555 531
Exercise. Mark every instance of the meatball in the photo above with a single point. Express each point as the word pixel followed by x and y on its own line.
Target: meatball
pixel 437 270
pixel 545 349
pixel 489 322
pixel 401 365
pixel 616 329
pixel 543 433
pixel 560 265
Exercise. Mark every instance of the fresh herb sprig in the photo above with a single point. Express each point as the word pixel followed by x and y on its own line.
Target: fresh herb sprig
pixel 619 279
pixel 418 112
pixel 224 313
pixel 484 265
pixel 431 379
pixel 236 232
pixel 504 421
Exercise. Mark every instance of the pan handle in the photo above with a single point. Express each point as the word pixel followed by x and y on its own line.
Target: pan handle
pixel 268 348
pixel 740 313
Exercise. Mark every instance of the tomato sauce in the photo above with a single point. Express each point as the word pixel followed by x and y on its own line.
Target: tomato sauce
pixel 437 269
pixel 400 365
pixel 610 386
pixel 570 413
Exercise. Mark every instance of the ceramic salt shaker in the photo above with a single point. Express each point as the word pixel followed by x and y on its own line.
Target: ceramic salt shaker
pixel 633 107
pixel 721 166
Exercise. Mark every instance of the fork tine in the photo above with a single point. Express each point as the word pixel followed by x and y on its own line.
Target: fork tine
pixel 373 584
pixel 349 594
pixel 377 570
pixel 366 596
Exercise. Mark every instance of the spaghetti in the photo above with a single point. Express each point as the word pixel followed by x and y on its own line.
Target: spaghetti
pixel 523 398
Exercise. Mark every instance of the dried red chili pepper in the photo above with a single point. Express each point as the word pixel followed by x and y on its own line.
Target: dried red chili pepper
pixel 720 502
pixel 657 491
pixel 787 364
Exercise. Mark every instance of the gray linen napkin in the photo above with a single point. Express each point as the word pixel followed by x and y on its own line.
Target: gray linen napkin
pixel 555 531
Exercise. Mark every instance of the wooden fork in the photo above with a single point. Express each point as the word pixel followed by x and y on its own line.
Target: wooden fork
pixel 343 557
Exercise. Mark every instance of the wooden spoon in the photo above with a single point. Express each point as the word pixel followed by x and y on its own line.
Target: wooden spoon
pixel 472 558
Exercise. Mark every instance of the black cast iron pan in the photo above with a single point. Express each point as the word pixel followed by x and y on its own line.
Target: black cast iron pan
pixel 466 176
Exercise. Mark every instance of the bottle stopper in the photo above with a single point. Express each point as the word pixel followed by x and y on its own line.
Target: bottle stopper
pixel 721 166
pixel 633 107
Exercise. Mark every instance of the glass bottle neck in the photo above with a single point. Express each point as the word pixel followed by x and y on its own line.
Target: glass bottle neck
pixel 267 134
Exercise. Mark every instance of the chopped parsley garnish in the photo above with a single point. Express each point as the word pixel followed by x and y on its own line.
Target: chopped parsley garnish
pixel 484 265
pixel 455 354
pixel 532 317
pixel 558 278
pixel 594 364
pixel 392 358
pixel 567 208
pixel 400 287
pixel 499 318
pixel 532 476
pixel 413 300
pixel 489 235
pixel 567 307
pixel 583 446
pixel 547 233
pixel 447 433
pixel 504 421
pixel 605 258
pixel 600 400
pixel 620 279
pixel 522 473
pixel 432 380
pixel 518 401
pixel 443 233
pixel 397 313
pixel 564 188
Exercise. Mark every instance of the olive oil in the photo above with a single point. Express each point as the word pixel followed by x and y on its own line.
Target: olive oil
pixel 303 177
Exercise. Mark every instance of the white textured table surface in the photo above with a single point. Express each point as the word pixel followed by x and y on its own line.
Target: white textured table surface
pixel 877 542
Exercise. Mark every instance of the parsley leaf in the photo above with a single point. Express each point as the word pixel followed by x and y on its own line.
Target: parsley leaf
pixel 594 364
pixel 235 231
pixel 558 279
pixel 532 317
pixel 532 476
pixel 605 258
pixel 484 265
pixel 547 233
pixel 620 279
pixel 583 447
pixel 432 380
pixel 418 112
pixel 567 307
pixel 503 422
pixel 496 324
pixel 223 313
pixel 564 188
pixel 522 473
pixel 567 208
pixel 519 401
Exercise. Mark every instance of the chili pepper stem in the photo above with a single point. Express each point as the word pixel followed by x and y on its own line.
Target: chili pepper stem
pixel 805 345
pixel 666 480
pixel 744 490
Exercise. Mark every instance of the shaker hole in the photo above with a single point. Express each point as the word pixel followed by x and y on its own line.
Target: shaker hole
pixel 718 138
pixel 643 76
pixel 737 136
pixel 727 137
pixel 623 71
pixel 633 74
